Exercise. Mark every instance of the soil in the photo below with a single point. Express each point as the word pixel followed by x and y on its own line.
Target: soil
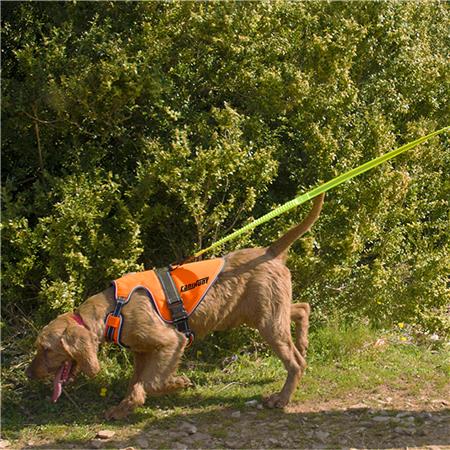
pixel 384 418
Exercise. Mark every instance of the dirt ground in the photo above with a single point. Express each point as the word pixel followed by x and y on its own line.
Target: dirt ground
pixel 384 418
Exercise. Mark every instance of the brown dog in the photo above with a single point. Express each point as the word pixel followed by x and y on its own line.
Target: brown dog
pixel 254 288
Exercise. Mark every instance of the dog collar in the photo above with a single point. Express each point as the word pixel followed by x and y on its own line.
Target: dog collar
pixel 78 319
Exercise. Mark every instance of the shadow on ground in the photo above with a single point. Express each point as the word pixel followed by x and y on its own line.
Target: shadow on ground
pixel 224 427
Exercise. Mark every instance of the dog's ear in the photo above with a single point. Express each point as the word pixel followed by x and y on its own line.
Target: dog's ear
pixel 82 346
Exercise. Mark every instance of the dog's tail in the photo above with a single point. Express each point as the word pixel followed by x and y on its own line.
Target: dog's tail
pixel 280 246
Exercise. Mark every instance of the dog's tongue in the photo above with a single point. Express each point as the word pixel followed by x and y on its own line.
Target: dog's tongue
pixel 60 378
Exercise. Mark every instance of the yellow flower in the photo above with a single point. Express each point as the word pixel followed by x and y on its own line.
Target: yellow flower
pixel 199 353
pixel 403 339
pixel 401 325
pixel 103 392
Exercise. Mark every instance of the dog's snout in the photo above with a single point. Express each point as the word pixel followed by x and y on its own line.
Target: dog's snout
pixel 32 371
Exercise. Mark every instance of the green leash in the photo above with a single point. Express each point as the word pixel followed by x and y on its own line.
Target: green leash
pixel 320 189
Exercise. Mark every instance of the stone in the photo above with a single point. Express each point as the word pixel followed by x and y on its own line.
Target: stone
pixel 105 434
pixel 5 444
pixel 408 419
pixel 142 442
pixel 252 403
pixel 96 443
pixel 189 428
pixel 321 435
pixel 179 446
pixel 358 406
pixel 381 419
pixel 236 415
pixel 408 431
pixel 233 444
pixel 259 406
pixel 200 437
pixel 274 442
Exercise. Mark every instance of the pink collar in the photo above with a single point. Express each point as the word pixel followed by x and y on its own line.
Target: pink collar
pixel 78 319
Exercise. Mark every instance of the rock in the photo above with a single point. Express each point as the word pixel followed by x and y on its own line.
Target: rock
pixel 358 406
pixel 259 406
pixel 200 437
pixel 321 435
pixel 179 446
pixel 175 435
pixel 142 442
pixel 96 443
pixel 381 419
pixel 128 448
pixel 105 434
pixel 437 419
pixel 252 403
pixel 408 431
pixel 403 414
pixel 189 428
pixel 5 444
pixel 274 442
pixel 236 415
pixel 233 444
pixel 408 419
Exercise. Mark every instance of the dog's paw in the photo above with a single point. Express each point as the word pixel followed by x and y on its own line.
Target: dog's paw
pixel 176 383
pixel 183 381
pixel 275 401
pixel 116 413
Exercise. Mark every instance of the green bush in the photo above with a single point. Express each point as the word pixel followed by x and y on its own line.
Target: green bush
pixel 136 133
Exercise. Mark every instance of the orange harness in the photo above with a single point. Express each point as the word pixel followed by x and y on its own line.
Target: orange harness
pixel 175 293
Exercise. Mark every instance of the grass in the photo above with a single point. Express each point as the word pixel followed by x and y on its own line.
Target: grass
pixel 341 360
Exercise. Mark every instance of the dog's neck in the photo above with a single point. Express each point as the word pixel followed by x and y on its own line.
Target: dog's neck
pixel 93 312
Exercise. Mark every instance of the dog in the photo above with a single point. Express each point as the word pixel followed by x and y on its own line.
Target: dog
pixel 254 288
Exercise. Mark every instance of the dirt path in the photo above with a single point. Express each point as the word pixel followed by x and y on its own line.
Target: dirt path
pixel 385 418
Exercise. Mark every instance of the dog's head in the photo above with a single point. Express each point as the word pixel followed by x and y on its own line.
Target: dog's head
pixel 64 347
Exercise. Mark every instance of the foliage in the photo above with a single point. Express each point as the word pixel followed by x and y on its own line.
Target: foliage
pixel 135 133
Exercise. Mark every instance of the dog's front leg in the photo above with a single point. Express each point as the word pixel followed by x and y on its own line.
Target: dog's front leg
pixel 153 375
pixel 136 393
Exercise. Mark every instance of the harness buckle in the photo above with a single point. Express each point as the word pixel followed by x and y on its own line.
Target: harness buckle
pixel 112 321
pixel 191 336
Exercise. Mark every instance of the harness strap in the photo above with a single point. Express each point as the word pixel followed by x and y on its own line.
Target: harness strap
pixel 114 323
pixel 175 304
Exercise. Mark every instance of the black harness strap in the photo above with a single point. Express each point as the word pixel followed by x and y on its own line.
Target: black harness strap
pixel 175 304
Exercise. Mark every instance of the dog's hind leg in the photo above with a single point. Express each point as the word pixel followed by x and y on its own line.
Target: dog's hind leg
pixel 278 336
pixel 300 316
